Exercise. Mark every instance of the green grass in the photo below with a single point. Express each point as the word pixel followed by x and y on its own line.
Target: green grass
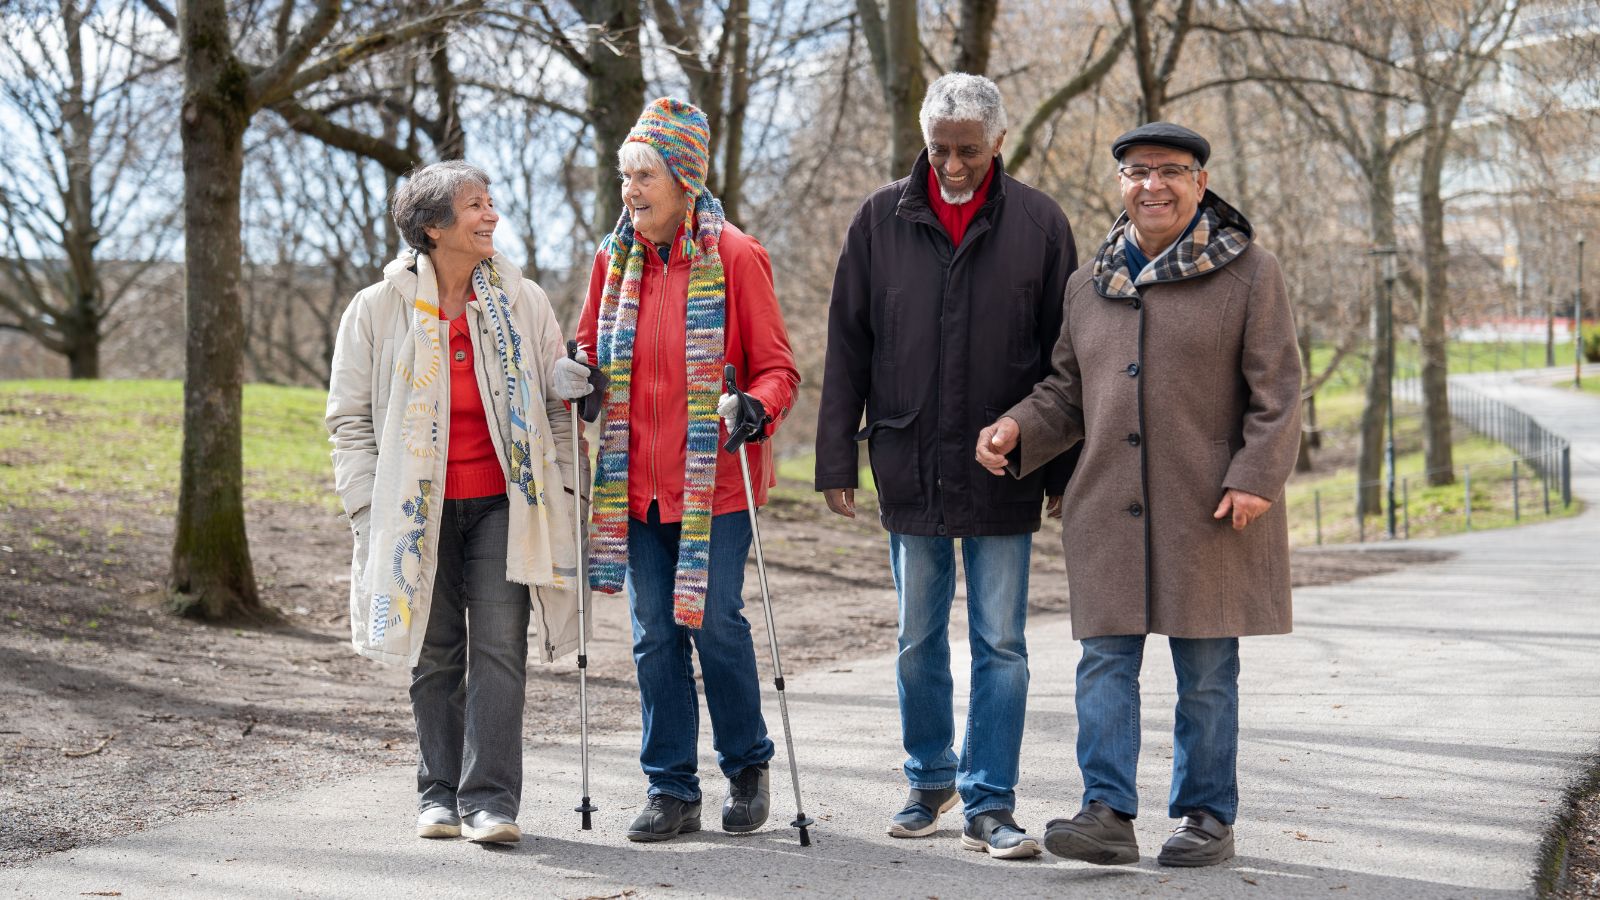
pixel 1463 358
pixel 60 440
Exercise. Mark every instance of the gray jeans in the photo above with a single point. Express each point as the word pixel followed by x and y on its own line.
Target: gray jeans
pixel 468 687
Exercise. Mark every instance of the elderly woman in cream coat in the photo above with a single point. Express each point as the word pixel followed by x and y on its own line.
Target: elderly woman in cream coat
pixel 448 432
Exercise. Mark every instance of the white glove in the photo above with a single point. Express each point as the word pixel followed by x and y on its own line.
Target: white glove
pixel 570 377
pixel 727 408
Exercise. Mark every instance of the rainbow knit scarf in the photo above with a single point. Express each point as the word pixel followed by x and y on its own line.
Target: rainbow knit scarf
pixel 704 321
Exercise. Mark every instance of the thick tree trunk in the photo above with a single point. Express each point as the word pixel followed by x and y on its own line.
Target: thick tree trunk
pixel 975 35
pixel 732 195
pixel 1436 444
pixel 1380 212
pixel 616 96
pixel 904 86
pixel 211 572
pixel 83 360
pixel 1308 428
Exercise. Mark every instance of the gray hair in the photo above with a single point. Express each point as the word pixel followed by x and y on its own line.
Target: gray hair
pixel 959 97
pixel 427 199
pixel 637 156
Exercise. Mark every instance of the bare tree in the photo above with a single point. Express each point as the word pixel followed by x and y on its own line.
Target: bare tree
pixel 85 176
pixel 226 84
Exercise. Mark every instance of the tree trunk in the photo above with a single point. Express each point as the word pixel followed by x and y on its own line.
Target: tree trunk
pixel 83 359
pixel 732 194
pixel 616 96
pixel 1380 212
pixel 1308 428
pixel 904 86
pixel 211 572
pixel 1436 445
pixel 975 35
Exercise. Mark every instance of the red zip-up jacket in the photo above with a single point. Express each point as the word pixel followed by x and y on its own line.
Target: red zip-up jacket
pixel 754 341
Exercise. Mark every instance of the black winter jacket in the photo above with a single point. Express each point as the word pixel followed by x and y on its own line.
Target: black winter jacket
pixel 935 342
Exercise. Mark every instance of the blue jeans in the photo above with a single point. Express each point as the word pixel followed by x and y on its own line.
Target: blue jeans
pixel 1205 734
pixel 997 609
pixel 661 652
pixel 468 685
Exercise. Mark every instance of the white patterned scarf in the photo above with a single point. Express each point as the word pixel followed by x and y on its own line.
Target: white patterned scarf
pixel 408 487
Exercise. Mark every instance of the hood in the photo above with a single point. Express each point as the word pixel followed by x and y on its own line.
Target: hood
pixel 1219 238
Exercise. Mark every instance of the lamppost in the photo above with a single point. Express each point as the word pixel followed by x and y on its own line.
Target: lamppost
pixel 1577 324
pixel 1386 334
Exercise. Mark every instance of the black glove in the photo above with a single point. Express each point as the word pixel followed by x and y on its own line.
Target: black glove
pixel 748 425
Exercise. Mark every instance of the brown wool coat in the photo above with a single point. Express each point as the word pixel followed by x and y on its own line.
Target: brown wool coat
pixel 1213 404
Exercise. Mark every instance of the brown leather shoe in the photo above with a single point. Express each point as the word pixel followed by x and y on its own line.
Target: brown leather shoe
pixel 1199 840
pixel 1095 835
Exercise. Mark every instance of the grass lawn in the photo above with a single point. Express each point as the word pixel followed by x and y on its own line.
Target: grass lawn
pixel 1464 357
pixel 63 439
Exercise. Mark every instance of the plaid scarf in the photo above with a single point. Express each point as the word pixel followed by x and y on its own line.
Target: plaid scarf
pixel 1221 235
pixel 704 348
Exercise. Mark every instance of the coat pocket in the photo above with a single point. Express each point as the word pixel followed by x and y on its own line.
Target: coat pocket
pixel 889 328
pixel 895 458
pixel 1024 321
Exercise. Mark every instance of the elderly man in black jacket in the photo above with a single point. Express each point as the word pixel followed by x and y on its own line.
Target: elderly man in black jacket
pixel 946 303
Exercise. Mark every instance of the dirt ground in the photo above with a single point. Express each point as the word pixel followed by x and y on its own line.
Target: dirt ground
pixel 115 716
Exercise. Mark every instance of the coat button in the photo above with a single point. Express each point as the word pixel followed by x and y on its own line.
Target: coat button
pixel 1133 370
pixel 1135 303
pixel 1136 510
pixel 1133 439
pixel 943 529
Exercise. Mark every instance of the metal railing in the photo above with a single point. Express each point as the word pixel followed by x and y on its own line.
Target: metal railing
pixel 1528 484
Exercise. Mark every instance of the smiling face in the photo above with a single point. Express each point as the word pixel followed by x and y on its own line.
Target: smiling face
pixel 1160 208
pixel 960 157
pixel 654 201
pixel 471 236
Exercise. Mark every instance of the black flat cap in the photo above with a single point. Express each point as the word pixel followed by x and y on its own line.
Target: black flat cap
pixel 1163 134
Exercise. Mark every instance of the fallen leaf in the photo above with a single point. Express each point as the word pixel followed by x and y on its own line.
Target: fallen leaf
pixel 1249 880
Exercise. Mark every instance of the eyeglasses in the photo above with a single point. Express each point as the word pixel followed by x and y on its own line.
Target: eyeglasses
pixel 1168 172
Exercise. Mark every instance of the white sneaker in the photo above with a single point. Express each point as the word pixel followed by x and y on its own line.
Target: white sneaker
pixel 438 822
pixel 484 827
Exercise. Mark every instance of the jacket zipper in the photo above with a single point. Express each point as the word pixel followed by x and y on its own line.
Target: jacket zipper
pixel 655 405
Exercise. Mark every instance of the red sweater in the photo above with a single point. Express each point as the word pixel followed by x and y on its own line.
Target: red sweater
pixel 755 342
pixel 955 219
pixel 471 466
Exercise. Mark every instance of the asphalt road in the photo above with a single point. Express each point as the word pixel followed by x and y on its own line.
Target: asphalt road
pixel 1411 738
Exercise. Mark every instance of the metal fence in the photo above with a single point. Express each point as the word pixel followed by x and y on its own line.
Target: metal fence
pixel 1498 492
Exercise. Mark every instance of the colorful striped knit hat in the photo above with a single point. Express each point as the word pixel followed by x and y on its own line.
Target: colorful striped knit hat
pixel 680 132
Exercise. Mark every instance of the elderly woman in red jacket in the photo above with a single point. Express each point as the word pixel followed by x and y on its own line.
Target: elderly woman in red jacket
pixel 676 292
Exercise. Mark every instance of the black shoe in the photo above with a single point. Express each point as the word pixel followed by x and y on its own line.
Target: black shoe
pixel 921 815
pixel 748 800
pixel 997 832
pixel 664 818
pixel 1097 834
pixel 1199 840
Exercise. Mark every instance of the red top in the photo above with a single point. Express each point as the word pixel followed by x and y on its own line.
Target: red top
pixel 955 219
pixel 471 465
pixel 754 341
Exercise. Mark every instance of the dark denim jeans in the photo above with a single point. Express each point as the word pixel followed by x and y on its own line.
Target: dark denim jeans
pixel 662 653
pixel 467 689
pixel 997 610
pixel 1205 735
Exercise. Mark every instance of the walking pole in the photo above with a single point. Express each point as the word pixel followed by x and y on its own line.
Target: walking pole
pixel 801 820
pixel 584 808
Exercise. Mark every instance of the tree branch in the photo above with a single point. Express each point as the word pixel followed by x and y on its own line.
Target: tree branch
pixel 1052 104
pixel 347 55
pixel 161 12
pixel 314 124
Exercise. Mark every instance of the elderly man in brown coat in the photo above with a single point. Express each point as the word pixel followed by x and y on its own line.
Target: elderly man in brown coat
pixel 1177 369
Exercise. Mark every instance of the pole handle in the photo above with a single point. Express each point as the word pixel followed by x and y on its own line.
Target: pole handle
pixel 572 349
pixel 730 378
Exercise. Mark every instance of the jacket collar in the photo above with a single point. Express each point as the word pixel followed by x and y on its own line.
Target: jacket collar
pixel 914 205
pixel 401 272
pixel 1220 237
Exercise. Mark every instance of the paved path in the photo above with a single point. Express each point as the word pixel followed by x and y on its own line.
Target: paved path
pixel 1411 739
